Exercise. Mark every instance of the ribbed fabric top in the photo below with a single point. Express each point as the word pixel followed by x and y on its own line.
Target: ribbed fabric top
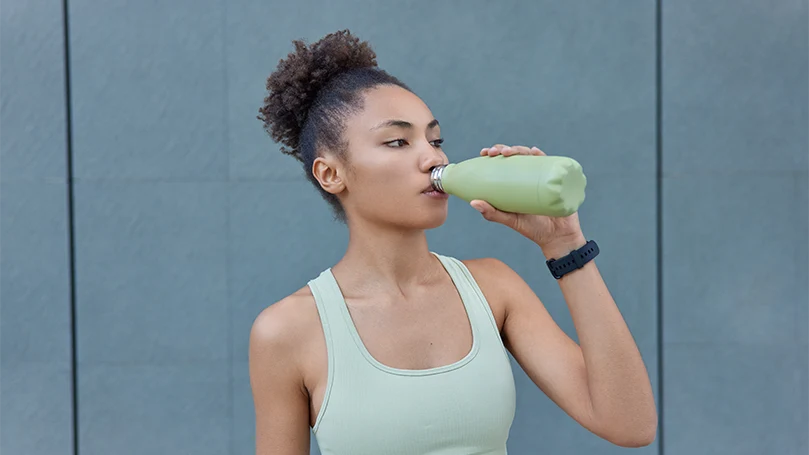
pixel 369 408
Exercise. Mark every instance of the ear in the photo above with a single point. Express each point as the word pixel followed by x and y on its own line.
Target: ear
pixel 329 173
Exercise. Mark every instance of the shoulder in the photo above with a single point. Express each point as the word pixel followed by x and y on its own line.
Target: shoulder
pixel 277 374
pixel 282 329
pixel 492 273
pixel 498 282
pixel 487 265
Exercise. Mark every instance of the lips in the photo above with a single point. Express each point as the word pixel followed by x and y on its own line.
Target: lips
pixel 430 189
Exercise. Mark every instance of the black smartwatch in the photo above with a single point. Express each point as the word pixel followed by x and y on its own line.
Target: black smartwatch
pixel 573 261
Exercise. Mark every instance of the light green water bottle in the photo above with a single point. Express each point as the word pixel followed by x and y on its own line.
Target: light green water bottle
pixel 537 185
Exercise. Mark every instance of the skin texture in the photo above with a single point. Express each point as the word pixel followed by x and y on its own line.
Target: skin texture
pixel 407 310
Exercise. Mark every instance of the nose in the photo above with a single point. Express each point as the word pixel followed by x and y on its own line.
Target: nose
pixel 432 159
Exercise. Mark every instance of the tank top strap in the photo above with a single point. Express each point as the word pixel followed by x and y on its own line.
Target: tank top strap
pixel 329 300
pixel 470 292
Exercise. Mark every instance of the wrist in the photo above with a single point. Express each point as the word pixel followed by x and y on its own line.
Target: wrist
pixel 562 246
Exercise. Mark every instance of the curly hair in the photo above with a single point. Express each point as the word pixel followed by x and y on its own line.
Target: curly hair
pixel 311 93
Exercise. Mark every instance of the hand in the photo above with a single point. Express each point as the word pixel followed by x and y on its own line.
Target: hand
pixel 556 236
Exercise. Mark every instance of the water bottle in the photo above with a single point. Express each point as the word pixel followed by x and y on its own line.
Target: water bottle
pixel 537 185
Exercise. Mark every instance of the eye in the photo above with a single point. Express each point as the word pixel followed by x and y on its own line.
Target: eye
pixel 437 143
pixel 396 143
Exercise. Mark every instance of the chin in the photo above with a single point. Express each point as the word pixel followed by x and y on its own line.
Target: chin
pixel 433 224
pixel 409 217
pixel 417 221
pixel 427 220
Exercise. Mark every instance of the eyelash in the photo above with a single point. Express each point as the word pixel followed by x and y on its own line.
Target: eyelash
pixel 436 143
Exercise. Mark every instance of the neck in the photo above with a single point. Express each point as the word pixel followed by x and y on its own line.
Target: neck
pixel 383 258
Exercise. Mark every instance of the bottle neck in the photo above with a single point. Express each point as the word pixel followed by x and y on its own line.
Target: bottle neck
pixel 435 177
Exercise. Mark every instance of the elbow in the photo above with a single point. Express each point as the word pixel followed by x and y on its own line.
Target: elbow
pixel 638 435
pixel 636 440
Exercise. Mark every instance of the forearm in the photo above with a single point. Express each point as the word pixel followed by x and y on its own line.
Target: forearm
pixel 619 386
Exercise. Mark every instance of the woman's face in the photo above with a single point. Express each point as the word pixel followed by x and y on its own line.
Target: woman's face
pixel 393 143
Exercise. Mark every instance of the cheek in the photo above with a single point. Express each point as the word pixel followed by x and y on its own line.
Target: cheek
pixel 387 176
pixel 387 191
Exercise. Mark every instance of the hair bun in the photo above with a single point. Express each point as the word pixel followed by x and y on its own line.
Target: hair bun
pixel 294 85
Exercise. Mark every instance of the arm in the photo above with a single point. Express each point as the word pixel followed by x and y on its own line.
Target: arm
pixel 602 384
pixel 280 398
pixel 618 383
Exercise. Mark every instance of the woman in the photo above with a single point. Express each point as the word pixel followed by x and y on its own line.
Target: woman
pixel 397 350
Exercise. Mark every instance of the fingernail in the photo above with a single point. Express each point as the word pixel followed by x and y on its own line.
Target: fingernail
pixel 478 208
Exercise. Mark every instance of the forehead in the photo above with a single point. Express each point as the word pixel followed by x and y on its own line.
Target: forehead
pixel 389 102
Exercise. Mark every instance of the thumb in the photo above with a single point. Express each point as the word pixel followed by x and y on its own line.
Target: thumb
pixel 492 214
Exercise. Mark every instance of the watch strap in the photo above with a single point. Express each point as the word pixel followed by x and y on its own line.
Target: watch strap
pixel 573 261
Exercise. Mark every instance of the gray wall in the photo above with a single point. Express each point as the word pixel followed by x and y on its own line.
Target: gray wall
pixel 188 221
pixel 36 398
pixel 735 226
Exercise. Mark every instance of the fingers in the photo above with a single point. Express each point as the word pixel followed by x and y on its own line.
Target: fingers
pixel 492 214
pixel 493 150
pixel 498 149
pixel 505 150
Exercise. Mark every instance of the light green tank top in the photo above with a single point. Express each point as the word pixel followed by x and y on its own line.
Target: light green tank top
pixel 372 409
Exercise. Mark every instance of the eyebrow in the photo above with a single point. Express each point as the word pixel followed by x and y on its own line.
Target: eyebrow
pixel 403 124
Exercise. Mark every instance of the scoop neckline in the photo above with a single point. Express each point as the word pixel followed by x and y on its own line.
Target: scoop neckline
pixel 473 351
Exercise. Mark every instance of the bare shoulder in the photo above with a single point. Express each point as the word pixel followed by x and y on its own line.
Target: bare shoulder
pixel 492 273
pixel 277 373
pixel 496 280
pixel 286 326
pixel 487 265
